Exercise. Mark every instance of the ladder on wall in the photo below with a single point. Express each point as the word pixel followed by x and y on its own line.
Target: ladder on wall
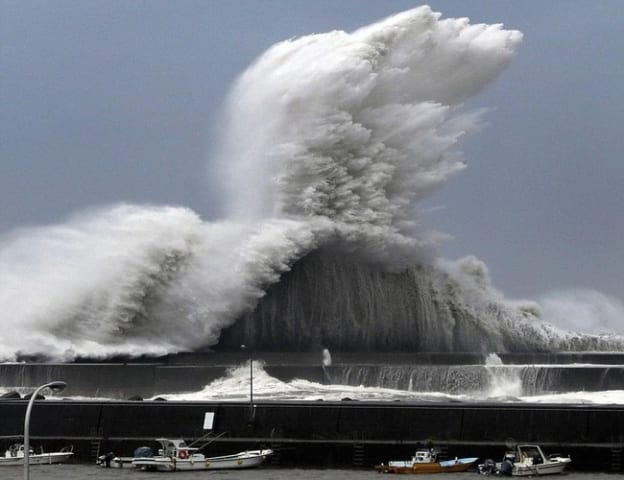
pixel 616 459
pixel 95 443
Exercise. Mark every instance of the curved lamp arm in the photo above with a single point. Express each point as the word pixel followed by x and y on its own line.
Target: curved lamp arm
pixel 58 386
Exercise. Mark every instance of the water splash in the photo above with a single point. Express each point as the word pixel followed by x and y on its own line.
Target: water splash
pixel 358 127
pixel 344 303
pixel 234 386
pixel 329 136
pixel 331 139
pixel 503 381
pixel 584 310
pixel 327 359
pixel 135 280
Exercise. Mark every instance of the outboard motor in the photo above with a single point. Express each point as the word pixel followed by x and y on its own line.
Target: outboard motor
pixel 106 459
pixel 488 467
pixel 506 467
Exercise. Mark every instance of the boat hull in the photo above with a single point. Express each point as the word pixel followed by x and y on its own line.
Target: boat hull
pixel 37 459
pixel 542 469
pixel 532 462
pixel 432 467
pixel 251 459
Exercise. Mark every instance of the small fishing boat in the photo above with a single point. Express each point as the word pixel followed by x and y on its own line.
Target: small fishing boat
pixel 14 456
pixel 525 461
pixel 176 455
pixel 425 461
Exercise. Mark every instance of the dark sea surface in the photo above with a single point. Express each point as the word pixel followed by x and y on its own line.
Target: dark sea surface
pixel 85 471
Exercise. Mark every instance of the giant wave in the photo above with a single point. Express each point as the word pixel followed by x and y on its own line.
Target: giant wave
pixel 330 143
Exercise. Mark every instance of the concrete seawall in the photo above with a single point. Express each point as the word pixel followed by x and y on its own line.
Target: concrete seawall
pixel 341 434
pixel 192 372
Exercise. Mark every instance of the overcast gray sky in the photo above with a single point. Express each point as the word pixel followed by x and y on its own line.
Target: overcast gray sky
pixel 106 101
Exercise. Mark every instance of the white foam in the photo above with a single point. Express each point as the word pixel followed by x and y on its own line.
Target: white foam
pixel 235 387
pixel 335 135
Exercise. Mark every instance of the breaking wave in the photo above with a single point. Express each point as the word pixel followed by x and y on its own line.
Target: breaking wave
pixel 331 141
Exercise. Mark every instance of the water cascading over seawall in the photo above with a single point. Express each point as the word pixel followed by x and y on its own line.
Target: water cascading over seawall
pixel 521 380
pixel 337 301
pixel 334 300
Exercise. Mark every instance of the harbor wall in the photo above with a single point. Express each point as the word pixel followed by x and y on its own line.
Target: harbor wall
pixel 339 434
pixel 123 379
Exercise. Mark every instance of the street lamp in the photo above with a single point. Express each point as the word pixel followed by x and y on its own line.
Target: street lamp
pixel 243 347
pixel 58 386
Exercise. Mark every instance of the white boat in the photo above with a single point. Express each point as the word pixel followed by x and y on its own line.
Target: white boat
pixel 14 456
pixel 527 460
pixel 176 455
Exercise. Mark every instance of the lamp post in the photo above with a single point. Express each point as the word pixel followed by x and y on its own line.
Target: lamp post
pixel 58 386
pixel 243 347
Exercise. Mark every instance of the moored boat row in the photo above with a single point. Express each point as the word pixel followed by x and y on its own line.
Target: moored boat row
pixel 522 460
pixel 176 455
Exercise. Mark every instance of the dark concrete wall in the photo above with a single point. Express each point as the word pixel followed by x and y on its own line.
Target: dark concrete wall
pixel 310 431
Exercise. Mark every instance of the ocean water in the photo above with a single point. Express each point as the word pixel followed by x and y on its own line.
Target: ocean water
pixel 82 471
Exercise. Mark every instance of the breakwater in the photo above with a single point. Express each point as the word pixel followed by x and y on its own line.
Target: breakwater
pixel 340 434
pixel 424 372
pixel 320 432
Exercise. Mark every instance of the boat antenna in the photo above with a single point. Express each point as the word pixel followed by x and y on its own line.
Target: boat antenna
pixel 210 441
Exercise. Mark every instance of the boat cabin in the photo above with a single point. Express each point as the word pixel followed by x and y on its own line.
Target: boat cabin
pixel 425 456
pixel 175 447
pixel 16 450
pixel 530 454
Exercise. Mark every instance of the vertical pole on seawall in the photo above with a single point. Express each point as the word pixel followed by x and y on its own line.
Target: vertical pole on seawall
pixel 244 347
pixel 250 385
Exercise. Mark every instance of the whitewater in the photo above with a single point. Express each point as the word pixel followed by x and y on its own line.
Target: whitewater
pixel 505 386
pixel 493 382
pixel 329 142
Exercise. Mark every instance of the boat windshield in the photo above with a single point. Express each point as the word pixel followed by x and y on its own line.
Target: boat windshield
pixel 531 453
pixel 424 456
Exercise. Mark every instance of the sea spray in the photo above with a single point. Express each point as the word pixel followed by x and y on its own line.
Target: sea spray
pixel 342 302
pixel 584 310
pixel 234 386
pixel 331 142
pixel 330 136
pixel 503 381
pixel 326 358
pixel 358 127
pixel 133 280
